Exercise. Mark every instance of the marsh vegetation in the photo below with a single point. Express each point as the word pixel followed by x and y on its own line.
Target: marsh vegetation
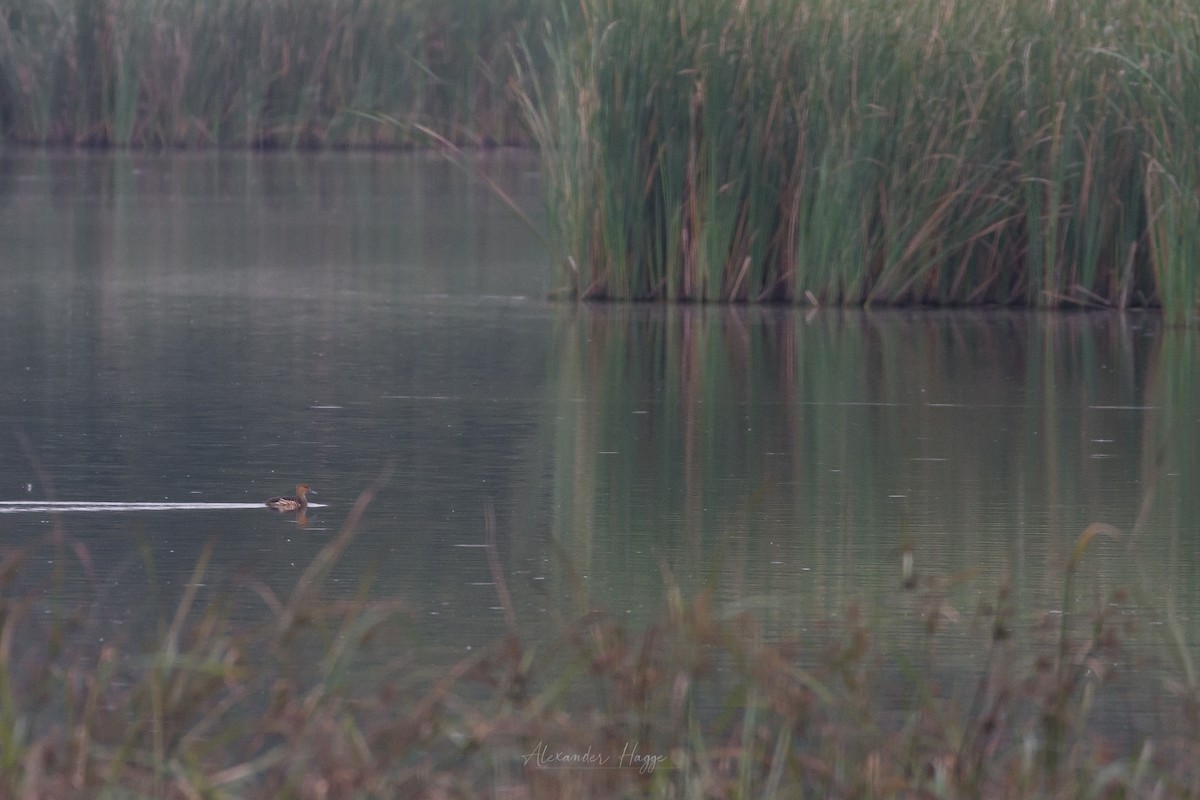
pixel 916 152
pixel 821 153
pixel 325 697
pixel 932 152
pixel 285 73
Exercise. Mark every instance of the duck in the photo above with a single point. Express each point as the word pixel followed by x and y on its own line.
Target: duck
pixel 297 503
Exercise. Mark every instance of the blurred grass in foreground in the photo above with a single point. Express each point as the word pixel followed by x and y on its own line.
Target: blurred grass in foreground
pixel 327 699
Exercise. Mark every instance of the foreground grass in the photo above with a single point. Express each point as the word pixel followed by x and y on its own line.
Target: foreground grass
pixel 323 700
pixel 1017 152
pixel 258 72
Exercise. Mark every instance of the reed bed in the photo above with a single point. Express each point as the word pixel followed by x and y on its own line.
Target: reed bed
pixel 327 699
pixel 259 72
pixel 1016 152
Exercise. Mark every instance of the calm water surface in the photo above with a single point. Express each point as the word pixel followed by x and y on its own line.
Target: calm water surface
pixel 201 331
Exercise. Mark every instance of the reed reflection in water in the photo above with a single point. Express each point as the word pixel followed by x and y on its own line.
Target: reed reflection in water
pixel 791 462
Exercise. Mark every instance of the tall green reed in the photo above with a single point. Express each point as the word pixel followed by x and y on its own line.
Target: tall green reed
pixel 883 152
pixel 280 72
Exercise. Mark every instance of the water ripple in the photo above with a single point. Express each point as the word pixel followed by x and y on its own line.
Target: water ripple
pixel 44 507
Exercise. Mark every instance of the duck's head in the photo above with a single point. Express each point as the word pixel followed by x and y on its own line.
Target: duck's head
pixel 303 489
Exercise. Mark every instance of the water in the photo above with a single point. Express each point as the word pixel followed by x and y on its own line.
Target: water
pixel 185 335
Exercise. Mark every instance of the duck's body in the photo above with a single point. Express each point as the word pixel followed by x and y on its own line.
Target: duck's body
pixel 300 501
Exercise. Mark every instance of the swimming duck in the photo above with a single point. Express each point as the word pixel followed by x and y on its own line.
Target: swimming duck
pixel 297 503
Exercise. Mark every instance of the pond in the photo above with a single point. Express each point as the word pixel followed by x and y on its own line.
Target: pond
pixel 191 333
